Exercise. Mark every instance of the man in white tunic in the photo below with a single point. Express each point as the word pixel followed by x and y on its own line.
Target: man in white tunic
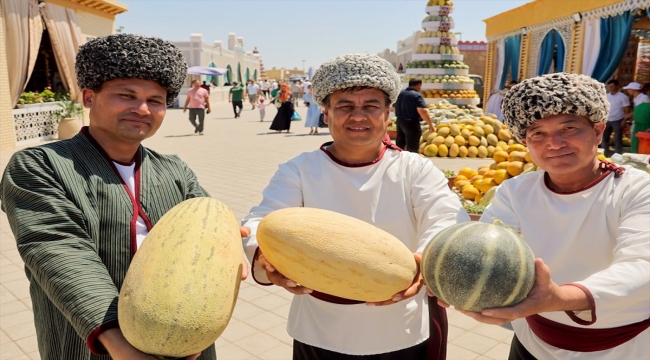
pixel 363 175
pixel 587 221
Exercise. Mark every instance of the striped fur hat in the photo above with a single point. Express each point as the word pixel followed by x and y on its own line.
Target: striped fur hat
pixel 553 94
pixel 128 56
pixel 354 70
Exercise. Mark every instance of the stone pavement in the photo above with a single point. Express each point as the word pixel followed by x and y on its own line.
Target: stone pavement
pixel 234 161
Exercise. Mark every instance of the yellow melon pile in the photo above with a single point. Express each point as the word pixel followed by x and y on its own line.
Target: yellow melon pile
pixel 509 161
pixel 469 136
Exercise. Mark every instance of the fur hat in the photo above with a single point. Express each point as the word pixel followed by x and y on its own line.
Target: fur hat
pixel 553 94
pixel 127 56
pixel 354 70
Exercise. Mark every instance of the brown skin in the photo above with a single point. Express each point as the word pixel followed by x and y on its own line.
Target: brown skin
pixel 123 113
pixel 358 122
pixel 565 146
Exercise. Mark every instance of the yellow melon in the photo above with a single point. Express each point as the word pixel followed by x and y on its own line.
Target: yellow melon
pixel 502 165
pixel 449 140
pixel 430 150
pixel 462 151
pixel 491 149
pixel 530 159
pixel 438 140
pixel 515 168
pixel 453 150
pixel 296 240
pixel 474 141
pixel 500 156
pixel 492 139
pixel 443 150
pixel 482 152
pixel 470 192
pixel 182 284
pixel 472 151
pixel 488 129
pixel 517 147
pixel 454 129
pixel 517 156
pixel 466 172
pixel 460 140
pixel 443 131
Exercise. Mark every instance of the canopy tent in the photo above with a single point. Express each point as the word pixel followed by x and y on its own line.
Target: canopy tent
pixel 239 77
pixel 247 75
pixel 204 70
pixel 255 75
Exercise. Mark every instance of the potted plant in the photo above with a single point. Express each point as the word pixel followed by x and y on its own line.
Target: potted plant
pixel 474 210
pixel 68 119
pixel 451 177
pixel 392 129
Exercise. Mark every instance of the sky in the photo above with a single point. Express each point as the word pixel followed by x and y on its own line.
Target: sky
pixel 286 32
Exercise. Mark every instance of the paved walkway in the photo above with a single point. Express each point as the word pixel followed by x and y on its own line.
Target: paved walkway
pixel 234 161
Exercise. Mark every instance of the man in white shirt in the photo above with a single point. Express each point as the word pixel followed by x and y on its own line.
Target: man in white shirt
pixel 620 107
pixel 274 84
pixel 252 91
pixel 361 174
pixel 634 89
pixel 266 87
pixel 586 222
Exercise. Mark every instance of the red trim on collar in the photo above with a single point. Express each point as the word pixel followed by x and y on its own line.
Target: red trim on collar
pixel 137 207
pixel 388 144
pixel 604 165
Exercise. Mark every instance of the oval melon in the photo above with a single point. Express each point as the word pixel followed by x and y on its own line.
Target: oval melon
pixel 430 150
pixel 475 266
pixel 182 284
pixel 454 150
pixel 336 254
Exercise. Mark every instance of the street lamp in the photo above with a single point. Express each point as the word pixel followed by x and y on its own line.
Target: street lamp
pixel 460 36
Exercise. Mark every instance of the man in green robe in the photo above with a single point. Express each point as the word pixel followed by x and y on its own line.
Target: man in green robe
pixel 80 208
pixel 641 118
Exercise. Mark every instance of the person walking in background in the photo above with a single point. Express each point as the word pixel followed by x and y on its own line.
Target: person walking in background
pixel 266 87
pixel 282 120
pixel 252 91
pixel 410 109
pixel 198 100
pixel 305 89
pixel 620 106
pixel 296 92
pixel 206 87
pixel 313 112
pixel 262 108
pixel 638 98
pixel 235 96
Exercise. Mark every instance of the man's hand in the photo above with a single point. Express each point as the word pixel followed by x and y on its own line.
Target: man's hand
pixel 546 296
pixel 244 231
pixel 184 109
pixel 280 280
pixel 208 111
pixel 120 349
pixel 413 290
pixel 432 128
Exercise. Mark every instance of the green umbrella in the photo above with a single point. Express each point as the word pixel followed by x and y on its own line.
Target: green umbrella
pixel 229 74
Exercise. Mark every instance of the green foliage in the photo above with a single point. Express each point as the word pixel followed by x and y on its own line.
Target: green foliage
pixel 449 173
pixel 45 96
pixel 69 109
pixel 474 208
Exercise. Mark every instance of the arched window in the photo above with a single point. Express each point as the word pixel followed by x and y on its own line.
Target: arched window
pixel 551 53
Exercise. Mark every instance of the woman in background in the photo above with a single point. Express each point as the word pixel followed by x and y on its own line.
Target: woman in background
pixel 282 120
pixel 313 112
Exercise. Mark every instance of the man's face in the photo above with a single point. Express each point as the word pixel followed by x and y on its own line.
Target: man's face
pixel 196 84
pixel 357 119
pixel 613 88
pixel 564 144
pixel 126 110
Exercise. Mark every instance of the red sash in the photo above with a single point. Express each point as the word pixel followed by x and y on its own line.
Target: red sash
pixel 583 340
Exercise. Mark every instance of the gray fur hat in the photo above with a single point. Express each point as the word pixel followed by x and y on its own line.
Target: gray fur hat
pixel 128 56
pixel 553 94
pixel 354 70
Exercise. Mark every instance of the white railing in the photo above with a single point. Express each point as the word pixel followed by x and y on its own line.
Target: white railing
pixel 34 123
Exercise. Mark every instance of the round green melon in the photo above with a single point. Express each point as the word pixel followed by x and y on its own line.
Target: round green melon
pixel 475 266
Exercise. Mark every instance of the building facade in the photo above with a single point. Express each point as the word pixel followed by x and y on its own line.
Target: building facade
pixel 475 56
pixel 50 63
pixel 241 64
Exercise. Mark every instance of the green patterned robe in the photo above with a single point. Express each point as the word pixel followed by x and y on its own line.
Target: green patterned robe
pixel 71 216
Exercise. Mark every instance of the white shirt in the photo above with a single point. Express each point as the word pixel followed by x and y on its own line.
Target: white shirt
pixel 274 85
pixel 599 238
pixel 617 103
pixel 640 99
pixel 127 172
pixel 266 85
pixel 305 86
pixel 402 194
pixel 253 89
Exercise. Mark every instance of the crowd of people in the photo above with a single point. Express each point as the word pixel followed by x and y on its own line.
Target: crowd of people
pixel 80 209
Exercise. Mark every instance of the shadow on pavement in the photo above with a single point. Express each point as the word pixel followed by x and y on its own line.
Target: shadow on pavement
pixel 173 136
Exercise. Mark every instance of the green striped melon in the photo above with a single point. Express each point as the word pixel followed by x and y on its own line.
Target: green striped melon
pixel 475 266
pixel 182 284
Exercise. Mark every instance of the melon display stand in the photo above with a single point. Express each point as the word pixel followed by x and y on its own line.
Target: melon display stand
pixel 441 26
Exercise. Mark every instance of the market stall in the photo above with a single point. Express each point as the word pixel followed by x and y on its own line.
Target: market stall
pixel 599 38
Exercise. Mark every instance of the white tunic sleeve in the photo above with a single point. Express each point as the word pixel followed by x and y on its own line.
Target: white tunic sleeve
pixel 436 207
pixel 284 190
pixel 626 281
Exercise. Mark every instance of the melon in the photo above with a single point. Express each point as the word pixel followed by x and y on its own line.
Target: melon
pixel 336 254
pixel 182 284
pixel 475 266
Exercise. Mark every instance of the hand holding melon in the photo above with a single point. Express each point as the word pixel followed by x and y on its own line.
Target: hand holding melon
pixel 476 266
pixel 413 290
pixel 335 254
pixel 278 279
